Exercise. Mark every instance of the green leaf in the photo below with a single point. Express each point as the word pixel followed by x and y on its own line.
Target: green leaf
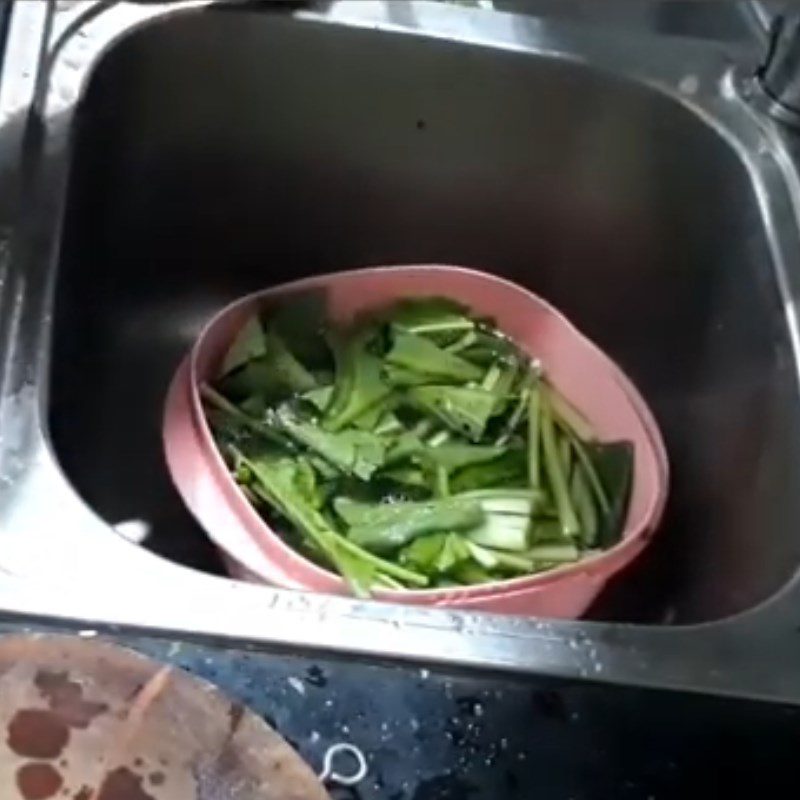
pixel 435 317
pixel 391 525
pixel 275 375
pixel 380 412
pixel 276 480
pixel 359 385
pixel 388 424
pixel 401 377
pixel 421 554
pixel 420 355
pixel 248 344
pixel 456 455
pixel 463 409
pixel 354 452
pixel 301 321
pixel 411 477
pixel 614 464
pixel 319 397
pixel 471 574
pixel 488 348
pixel 453 552
pixel 231 423
pixel 435 554
pixel 508 469
pixel 499 380
pixel 584 505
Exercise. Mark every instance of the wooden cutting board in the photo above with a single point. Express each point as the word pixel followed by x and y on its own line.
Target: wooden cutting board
pixel 87 720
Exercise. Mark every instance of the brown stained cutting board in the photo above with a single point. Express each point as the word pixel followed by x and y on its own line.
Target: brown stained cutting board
pixel 91 721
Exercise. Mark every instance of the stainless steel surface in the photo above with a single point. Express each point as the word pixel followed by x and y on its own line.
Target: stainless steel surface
pixel 779 76
pixel 179 155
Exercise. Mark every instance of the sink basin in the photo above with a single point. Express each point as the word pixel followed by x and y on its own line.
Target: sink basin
pixel 213 152
pixel 616 203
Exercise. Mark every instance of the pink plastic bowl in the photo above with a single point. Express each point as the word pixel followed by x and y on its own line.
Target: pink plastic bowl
pixel 584 374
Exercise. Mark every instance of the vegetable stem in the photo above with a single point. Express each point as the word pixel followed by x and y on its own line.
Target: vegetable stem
pixel 555 473
pixel 534 435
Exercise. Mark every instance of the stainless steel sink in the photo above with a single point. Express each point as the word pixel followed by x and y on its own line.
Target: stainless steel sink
pixel 178 156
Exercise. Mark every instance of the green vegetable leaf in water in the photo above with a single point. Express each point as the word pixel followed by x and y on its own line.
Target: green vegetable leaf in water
pixel 499 380
pixel 411 478
pixel 456 455
pixel 319 397
pixel 278 481
pixel 463 409
pixel 434 317
pixel 488 348
pixel 435 554
pixel 400 376
pixel 614 464
pixel 248 344
pixel 508 469
pixel 232 424
pixel 359 385
pixel 354 452
pixel 418 354
pixel 421 554
pixel 391 525
pixel 452 455
pixel 301 321
pixel 275 375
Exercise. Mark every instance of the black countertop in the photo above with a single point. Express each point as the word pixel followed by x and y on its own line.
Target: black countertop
pixel 441 735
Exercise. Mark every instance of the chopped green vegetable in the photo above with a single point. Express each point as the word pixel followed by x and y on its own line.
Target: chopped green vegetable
pixel 464 409
pixel 534 436
pixel 249 344
pixel 555 473
pixel 359 385
pixel 435 554
pixel 437 318
pixel 420 355
pixel 584 506
pixel 613 463
pixel 391 525
pixel 507 469
pixel 418 448
pixel 301 321
pixel 354 452
pixel 274 375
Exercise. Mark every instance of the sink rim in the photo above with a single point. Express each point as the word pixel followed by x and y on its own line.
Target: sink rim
pixel 690 657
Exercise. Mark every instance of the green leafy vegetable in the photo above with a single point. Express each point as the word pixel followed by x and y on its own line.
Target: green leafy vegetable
pixel 464 409
pixel 417 354
pixel 354 452
pixel 418 448
pixel 359 385
pixel 249 344
pixel 274 375
pixel 391 525
pixel 434 317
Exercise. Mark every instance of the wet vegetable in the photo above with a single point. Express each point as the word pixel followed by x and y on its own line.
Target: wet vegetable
pixel 417 448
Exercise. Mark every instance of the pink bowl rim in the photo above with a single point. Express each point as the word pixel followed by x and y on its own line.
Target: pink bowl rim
pixel 607 562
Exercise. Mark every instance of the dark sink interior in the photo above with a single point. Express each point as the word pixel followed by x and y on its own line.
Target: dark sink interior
pixel 221 152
